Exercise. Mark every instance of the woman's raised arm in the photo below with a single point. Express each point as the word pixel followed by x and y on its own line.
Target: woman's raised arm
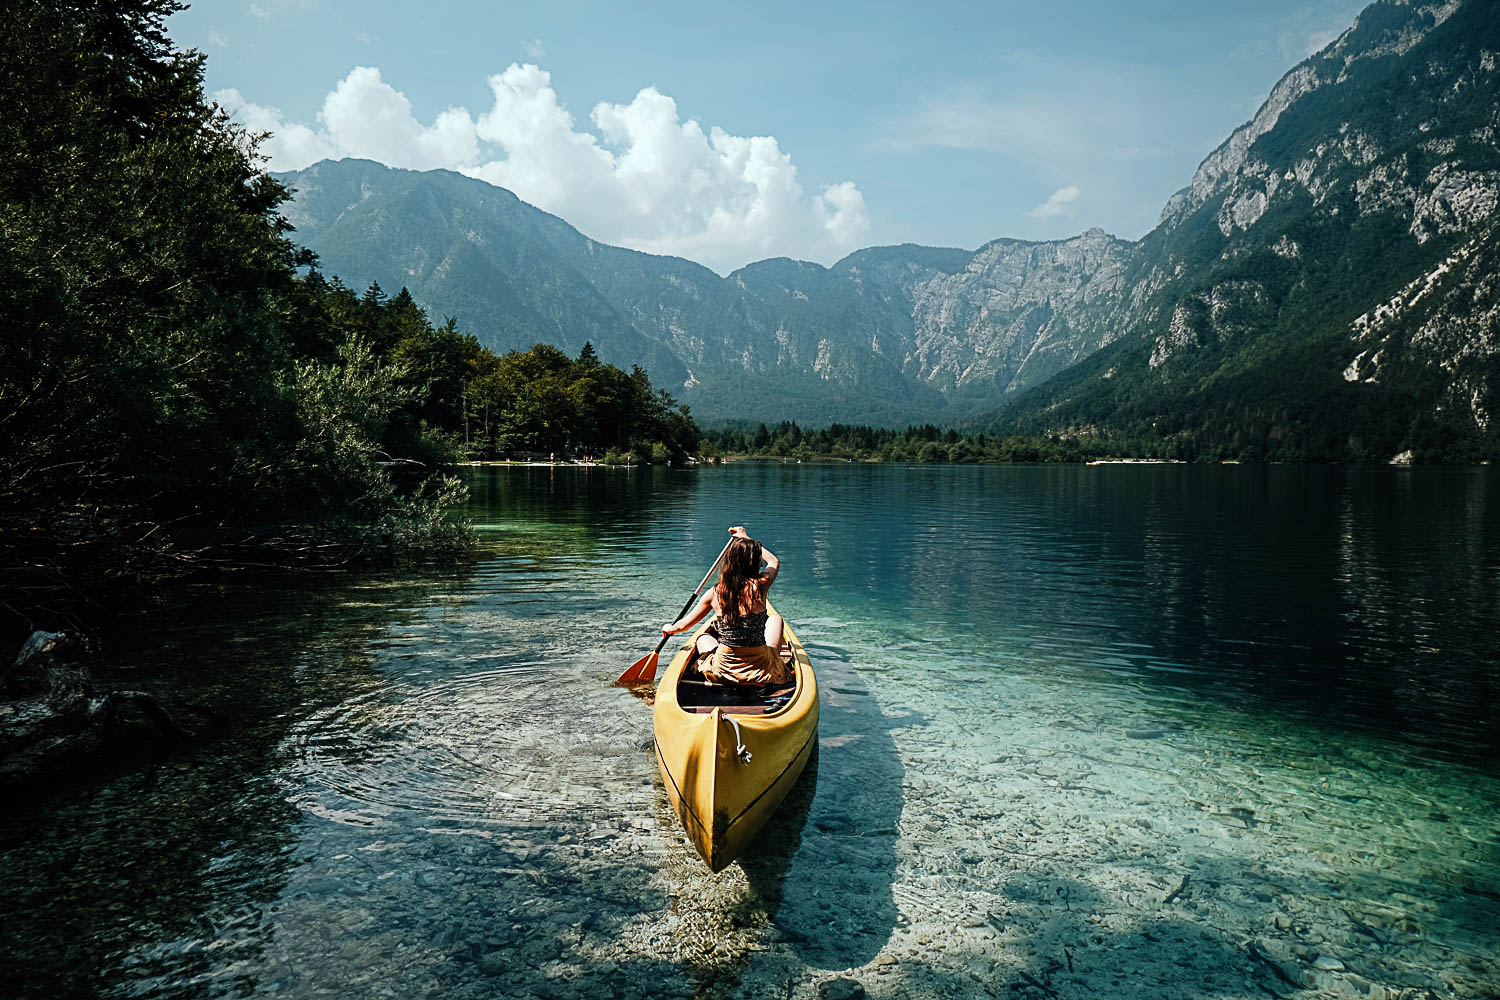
pixel 705 603
pixel 773 566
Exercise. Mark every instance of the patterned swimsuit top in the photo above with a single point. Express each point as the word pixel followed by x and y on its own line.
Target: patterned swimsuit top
pixel 749 630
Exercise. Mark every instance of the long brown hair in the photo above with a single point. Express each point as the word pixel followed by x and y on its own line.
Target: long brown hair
pixel 739 578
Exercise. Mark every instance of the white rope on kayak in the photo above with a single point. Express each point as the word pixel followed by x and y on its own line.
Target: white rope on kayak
pixel 739 750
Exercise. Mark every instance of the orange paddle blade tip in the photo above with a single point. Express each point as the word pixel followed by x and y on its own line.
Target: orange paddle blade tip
pixel 642 671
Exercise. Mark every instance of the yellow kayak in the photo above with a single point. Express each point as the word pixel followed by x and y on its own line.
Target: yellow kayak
pixel 730 753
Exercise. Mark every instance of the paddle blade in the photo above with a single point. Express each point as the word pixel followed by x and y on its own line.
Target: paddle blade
pixel 642 671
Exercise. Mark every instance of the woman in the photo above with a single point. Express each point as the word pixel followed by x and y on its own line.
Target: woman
pixel 747 648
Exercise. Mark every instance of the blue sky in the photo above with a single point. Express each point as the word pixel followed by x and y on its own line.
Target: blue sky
pixel 731 133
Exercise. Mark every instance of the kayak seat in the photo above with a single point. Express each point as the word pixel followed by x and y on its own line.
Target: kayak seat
pixel 702 697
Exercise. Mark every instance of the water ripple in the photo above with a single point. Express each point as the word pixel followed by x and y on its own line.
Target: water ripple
pixel 489 750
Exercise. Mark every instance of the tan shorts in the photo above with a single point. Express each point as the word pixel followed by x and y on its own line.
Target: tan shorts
pixel 745 665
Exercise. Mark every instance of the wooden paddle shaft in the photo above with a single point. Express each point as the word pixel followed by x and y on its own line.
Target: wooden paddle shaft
pixel 701 584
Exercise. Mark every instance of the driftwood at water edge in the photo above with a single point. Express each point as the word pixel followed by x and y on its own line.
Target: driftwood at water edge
pixel 53 718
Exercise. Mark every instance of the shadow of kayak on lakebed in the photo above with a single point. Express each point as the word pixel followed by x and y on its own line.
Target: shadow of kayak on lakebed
pixel 838 909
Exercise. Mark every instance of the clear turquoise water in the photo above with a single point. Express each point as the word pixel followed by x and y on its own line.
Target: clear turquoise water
pixel 1051 694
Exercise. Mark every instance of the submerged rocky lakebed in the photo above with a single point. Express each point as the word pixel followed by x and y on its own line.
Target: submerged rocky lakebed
pixel 1114 731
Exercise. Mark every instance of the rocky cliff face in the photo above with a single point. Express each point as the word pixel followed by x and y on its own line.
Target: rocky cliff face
pixel 1017 314
pixel 1383 30
pixel 1446 320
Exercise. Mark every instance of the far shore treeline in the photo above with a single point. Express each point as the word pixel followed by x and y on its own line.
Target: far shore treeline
pixel 926 444
pixel 930 444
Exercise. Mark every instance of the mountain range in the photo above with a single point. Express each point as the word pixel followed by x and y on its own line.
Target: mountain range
pixel 1324 288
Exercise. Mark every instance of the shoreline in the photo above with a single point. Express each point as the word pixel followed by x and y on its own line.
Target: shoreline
pixel 831 460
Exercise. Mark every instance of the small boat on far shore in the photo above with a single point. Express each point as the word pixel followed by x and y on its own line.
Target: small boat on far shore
pixel 729 753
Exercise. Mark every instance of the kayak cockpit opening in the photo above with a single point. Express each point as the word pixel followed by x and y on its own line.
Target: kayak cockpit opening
pixel 701 697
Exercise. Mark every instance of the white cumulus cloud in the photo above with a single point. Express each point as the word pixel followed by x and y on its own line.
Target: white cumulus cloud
pixel 1056 204
pixel 367 117
pixel 637 175
pixel 288 143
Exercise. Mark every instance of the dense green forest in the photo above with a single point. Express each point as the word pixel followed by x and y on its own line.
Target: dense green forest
pixel 180 388
pixel 540 400
pixel 925 444
pixel 459 400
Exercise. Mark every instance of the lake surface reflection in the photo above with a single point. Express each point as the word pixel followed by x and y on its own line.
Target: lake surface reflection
pixel 1141 730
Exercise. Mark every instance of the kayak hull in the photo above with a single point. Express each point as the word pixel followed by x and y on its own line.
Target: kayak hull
pixel 723 796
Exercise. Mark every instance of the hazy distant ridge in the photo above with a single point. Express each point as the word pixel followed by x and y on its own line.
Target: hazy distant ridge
pixel 888 334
